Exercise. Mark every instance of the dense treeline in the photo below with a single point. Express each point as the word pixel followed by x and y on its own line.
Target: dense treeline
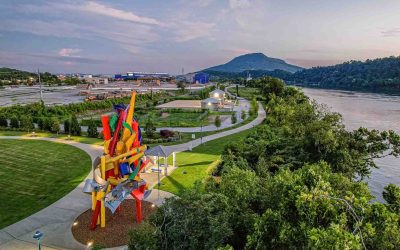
pixel 14 76
pixel 10 76
pixel 294 183
pixel 379 74
pixel 49 118
pixel 241 77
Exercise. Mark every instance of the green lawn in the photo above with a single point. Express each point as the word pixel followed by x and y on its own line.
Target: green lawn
pixel 81 139
pixel 184 119
pixel 35 174
pixel 196 162
pixel 246 92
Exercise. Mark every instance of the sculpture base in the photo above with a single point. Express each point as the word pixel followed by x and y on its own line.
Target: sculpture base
pixel 117 225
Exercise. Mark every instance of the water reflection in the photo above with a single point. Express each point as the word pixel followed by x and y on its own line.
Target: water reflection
pixel 373 111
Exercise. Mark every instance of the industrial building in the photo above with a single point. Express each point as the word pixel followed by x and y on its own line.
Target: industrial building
pixel 140 78
pixel 96 80
pixel 201 78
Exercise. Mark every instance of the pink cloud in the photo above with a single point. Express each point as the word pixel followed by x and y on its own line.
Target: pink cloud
pixel 69 52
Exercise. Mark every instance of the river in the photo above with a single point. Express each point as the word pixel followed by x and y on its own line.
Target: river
pixel 373 111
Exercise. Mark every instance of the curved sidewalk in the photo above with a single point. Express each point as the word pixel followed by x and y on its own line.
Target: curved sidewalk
pixel 189 145
pixel 56 220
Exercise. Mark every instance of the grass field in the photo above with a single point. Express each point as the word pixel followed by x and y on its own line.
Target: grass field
pixel 81 139
pixel 247 93
pixel 35 174
pixel 181 119
pixel 196 162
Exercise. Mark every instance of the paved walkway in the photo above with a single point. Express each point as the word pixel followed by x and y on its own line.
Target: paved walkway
pixel 243 105
pixel 56 220
pixel 189 145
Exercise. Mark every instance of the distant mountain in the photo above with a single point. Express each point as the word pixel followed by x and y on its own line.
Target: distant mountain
pixel 254 61
pixel 381 74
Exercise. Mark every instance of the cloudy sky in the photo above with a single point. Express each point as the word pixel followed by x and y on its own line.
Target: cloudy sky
pixel 166 35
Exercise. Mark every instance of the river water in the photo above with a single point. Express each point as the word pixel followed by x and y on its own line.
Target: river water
pixel 373 111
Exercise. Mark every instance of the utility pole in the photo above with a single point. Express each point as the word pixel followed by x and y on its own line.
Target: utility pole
pixel 40 86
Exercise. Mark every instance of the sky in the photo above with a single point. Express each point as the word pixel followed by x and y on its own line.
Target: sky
pixel 108 37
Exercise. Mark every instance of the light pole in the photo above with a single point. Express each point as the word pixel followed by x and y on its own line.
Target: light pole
pixel 38 235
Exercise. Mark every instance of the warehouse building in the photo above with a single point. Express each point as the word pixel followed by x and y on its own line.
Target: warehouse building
pixel 201 78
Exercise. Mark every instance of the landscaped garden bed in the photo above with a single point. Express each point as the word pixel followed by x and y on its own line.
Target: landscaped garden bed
pixel 116 232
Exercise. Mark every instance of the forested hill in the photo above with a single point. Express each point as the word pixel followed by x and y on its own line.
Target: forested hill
pixel 15 76
pixel 9 74
pixel 379 74
pixel 226 76
pixel 254 61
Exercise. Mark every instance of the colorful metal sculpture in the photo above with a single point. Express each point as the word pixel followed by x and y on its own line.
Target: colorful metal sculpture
pixel 116 174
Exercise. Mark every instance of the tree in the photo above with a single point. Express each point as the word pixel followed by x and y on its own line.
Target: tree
pixel 149 127
pixel 243 115
pixel 392 196
pixel 196 221
pixel 55 125
pixel 92 129
pixel 40 122
pixel 67 126
pixel 233 118
pixel 143 237
pixel 181 86
pixel 26 122
pixel 3 121
pixel 14 123
pixel 47 123
pixel 217 121
pixel 75 126
pixel 237 90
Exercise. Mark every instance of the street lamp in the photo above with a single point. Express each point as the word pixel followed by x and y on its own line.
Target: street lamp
pixel 38 235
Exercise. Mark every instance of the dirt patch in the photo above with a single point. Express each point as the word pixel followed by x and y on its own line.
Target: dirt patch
pixel 117 225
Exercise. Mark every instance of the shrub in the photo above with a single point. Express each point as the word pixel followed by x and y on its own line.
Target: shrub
pixel 3 121
pixel 14 123
pixel 55 125
pixel 142 237
pixel 67 126
pixel 40 122
pixel 47 123
pixel 243 115
pixel 27 122
pixel 75 128
pixel 233 118
pixel 149 127
pixel 167 133
pixel 92 129
pixel 217 121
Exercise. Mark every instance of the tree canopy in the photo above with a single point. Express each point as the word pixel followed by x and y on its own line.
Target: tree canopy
pixel 295 182
pixel 381 74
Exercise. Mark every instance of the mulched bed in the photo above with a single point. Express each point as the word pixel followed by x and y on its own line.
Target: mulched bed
pixel 117 225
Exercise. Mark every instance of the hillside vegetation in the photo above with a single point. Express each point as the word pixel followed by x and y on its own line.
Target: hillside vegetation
pixel 378 74
pixel 10 76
